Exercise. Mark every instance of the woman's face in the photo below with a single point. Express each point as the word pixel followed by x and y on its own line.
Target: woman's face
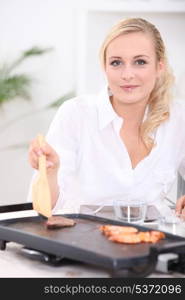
pixel 131 67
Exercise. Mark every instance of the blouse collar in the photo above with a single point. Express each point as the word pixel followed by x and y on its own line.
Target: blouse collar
pixel 106 113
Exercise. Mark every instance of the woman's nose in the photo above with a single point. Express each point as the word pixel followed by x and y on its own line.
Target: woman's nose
pixel 127 73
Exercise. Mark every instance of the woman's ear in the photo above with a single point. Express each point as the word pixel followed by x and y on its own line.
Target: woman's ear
pixel 160 68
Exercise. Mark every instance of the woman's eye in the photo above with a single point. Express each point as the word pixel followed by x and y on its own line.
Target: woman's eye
pixel 140 62
pixel 115 63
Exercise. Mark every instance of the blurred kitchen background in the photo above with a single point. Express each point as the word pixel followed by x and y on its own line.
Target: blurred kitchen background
pixel 50 49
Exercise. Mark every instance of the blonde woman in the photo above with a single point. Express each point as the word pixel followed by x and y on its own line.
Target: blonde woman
pixel 128 139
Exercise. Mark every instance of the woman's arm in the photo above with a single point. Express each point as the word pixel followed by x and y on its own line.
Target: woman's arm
pixel 61 150
pixel 52 165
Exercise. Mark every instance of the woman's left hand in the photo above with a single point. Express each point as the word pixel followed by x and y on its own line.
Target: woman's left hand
pixel 180 205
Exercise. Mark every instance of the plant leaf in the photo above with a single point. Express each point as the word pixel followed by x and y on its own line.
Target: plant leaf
pixel 23 145
pixel 62 99
pixel 14 86
pixel 35 51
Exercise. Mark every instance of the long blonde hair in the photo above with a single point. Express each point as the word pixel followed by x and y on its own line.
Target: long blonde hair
pixel 160 97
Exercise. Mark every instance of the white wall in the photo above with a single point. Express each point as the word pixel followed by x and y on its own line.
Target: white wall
pixel 24 24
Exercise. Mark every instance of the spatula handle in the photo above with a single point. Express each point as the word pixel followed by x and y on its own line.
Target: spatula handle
pixel 40 139
pixel 42 158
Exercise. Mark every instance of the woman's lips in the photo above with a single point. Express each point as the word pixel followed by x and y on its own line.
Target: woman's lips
pixel 128 88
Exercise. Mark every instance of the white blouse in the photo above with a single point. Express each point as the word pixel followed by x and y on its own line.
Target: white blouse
pixel 95 166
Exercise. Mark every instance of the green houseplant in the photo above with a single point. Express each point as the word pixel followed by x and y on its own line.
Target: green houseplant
pixel 14 85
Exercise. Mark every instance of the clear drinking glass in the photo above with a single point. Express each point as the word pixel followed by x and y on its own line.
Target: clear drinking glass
pixel 173 223
pixel 130 211
pixel 173 218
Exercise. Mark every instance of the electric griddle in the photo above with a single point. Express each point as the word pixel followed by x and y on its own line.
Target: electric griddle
pixel 85 243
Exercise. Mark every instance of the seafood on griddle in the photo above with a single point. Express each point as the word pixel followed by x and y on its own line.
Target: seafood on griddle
pixel 130 234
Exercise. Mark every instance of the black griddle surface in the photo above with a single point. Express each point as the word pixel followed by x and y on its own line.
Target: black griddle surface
pixel 83 242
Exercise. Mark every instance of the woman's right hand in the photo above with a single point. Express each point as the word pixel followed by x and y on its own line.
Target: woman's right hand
pixel 52 158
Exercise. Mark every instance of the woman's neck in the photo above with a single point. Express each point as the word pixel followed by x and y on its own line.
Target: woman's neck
pixel 132 114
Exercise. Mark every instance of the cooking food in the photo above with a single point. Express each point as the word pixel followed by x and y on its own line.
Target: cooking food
pixel 108 230
pixel 130 235
pixel 58 222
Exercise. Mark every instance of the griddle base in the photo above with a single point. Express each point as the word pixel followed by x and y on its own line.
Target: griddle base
pixel 46 257
pixel 3 244
pixel 140 270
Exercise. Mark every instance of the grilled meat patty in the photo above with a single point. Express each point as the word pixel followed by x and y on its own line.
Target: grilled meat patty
pixel 58 222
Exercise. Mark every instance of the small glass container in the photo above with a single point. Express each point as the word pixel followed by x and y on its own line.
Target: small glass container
pixel 173 223
pixel 170 220
pixel 130 211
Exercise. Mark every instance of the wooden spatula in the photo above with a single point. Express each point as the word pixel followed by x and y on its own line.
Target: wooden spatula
pixel 40 189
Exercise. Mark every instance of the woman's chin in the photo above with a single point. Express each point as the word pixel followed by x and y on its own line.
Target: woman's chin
pixel 128 101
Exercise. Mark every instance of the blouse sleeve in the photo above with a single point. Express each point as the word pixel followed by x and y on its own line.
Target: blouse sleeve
pixel 63 136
